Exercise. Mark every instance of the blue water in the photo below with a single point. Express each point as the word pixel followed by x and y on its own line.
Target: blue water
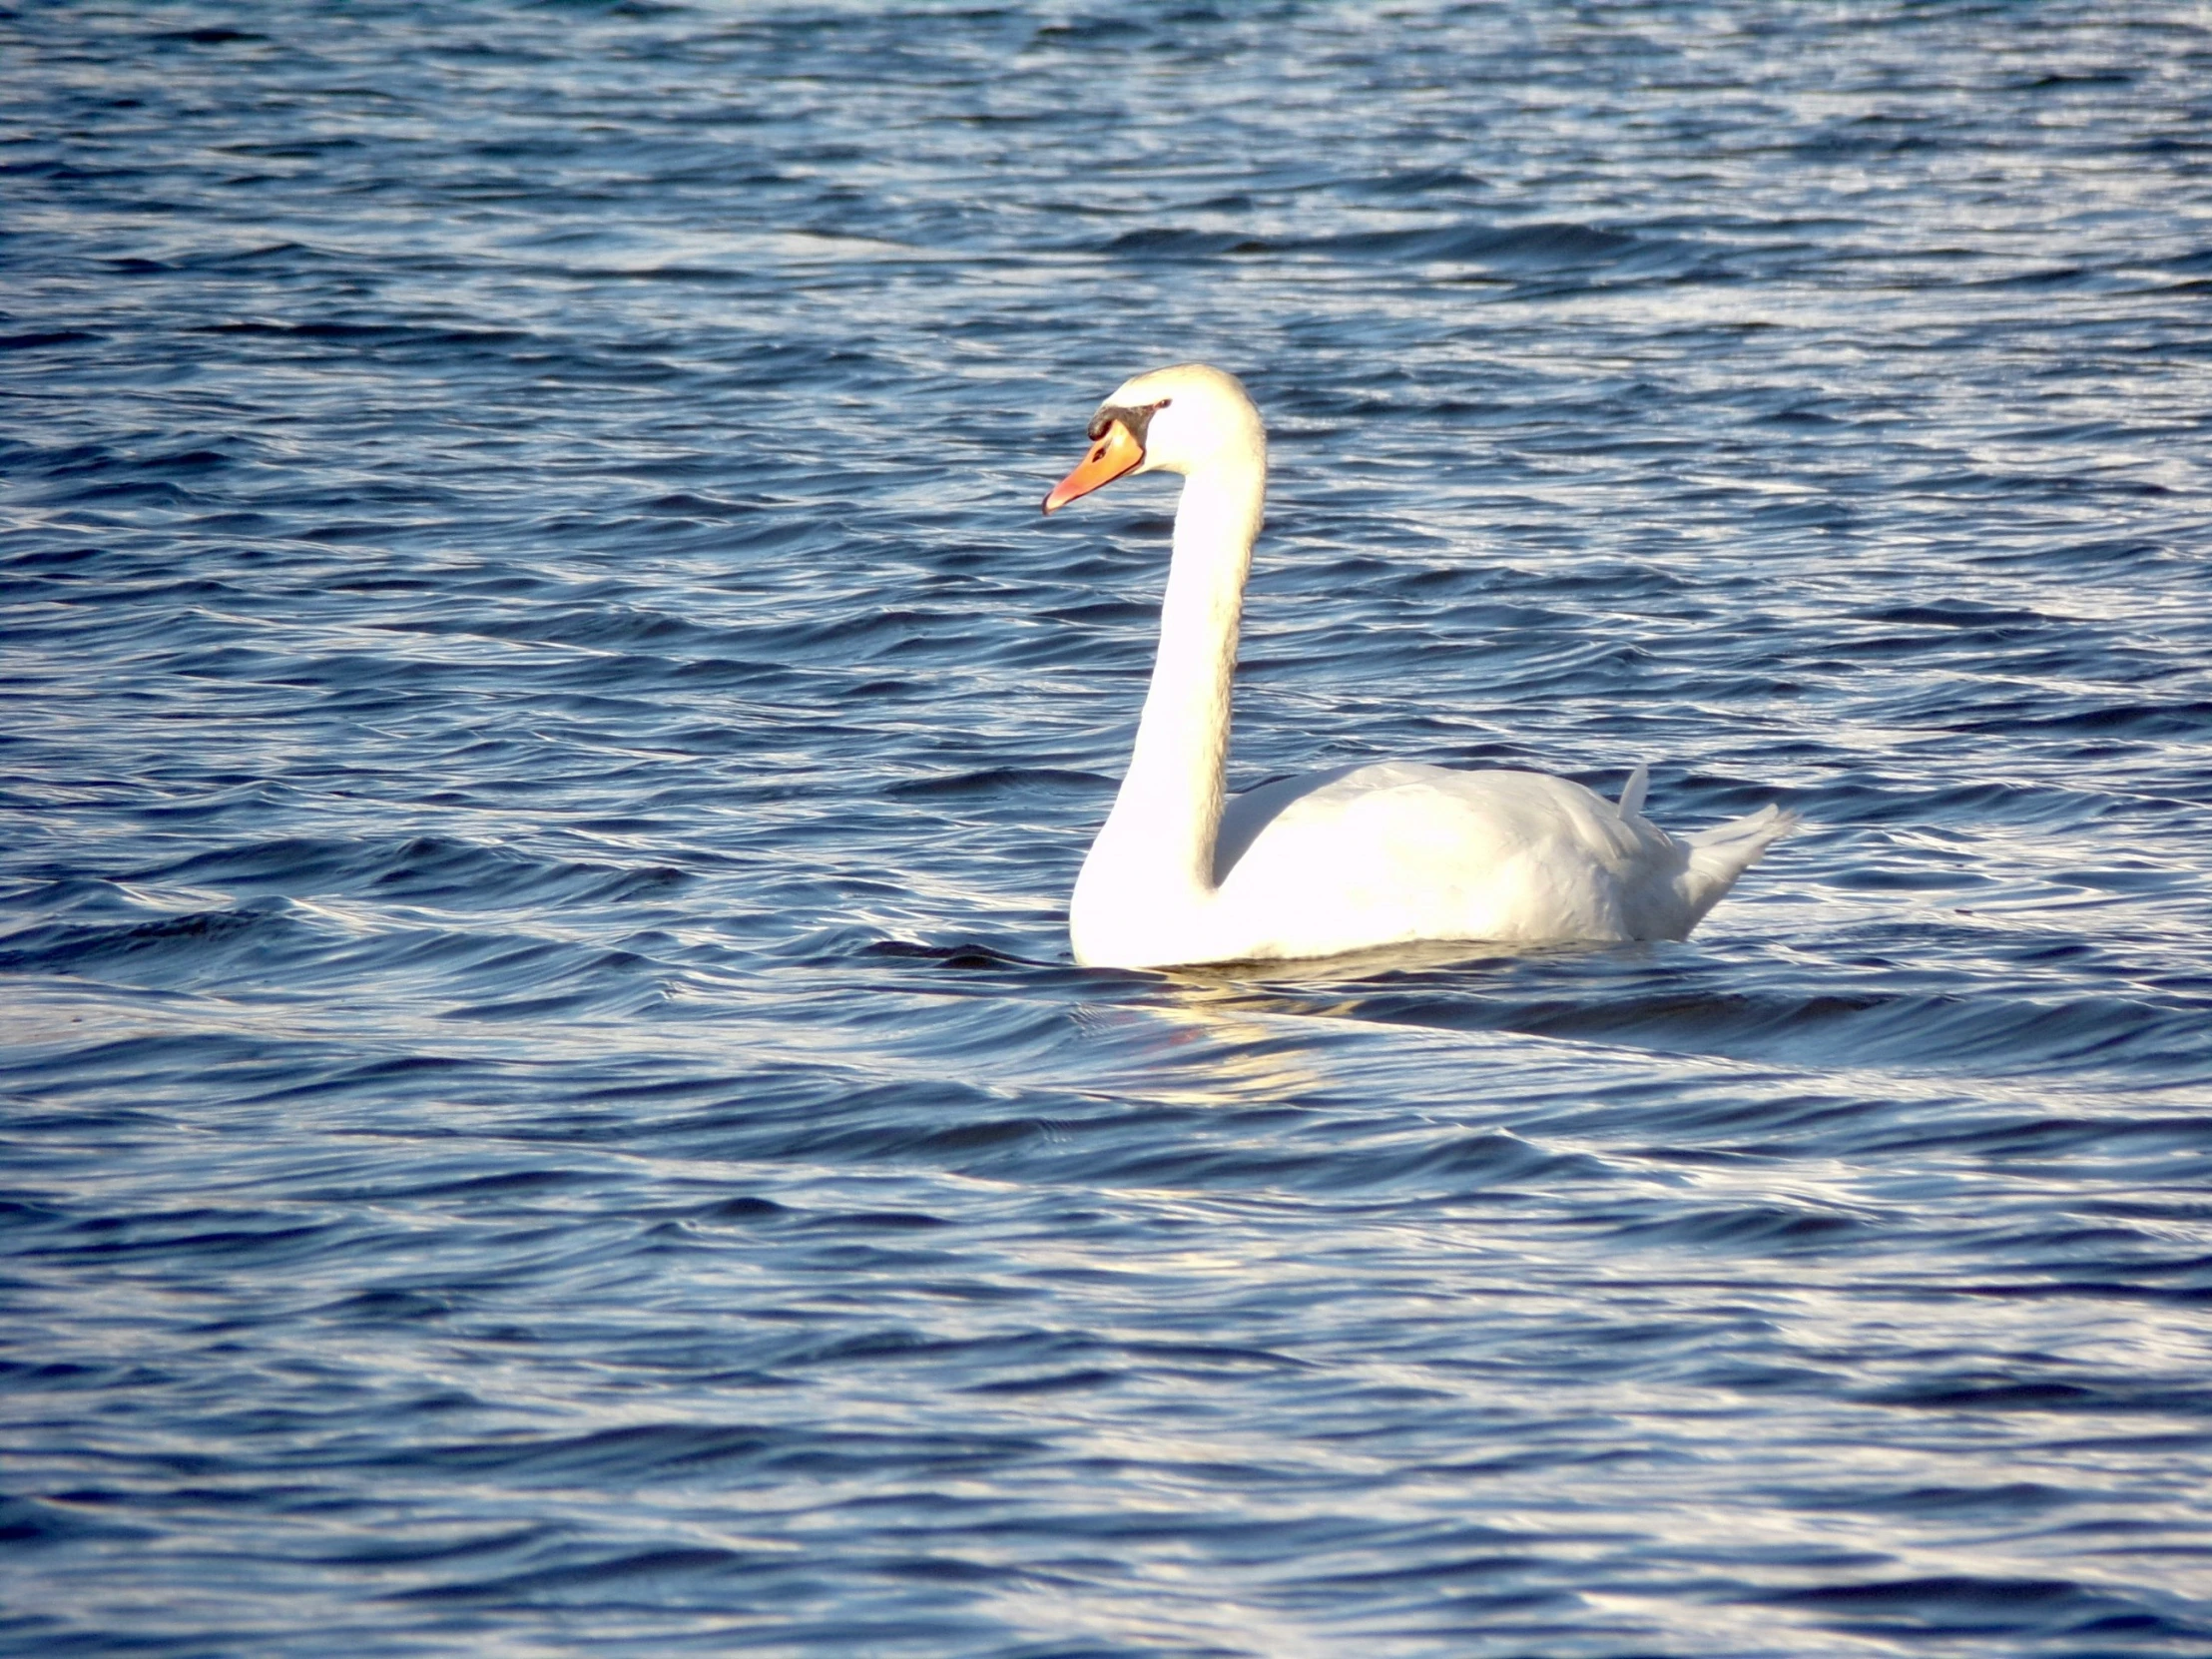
pixel 546 1107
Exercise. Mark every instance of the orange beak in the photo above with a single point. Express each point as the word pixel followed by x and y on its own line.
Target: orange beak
pixel 1110 457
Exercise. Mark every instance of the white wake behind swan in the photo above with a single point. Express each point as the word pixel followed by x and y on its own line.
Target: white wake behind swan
pixel 1339 860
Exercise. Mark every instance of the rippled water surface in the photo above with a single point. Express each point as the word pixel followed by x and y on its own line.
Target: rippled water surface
pixel 545 743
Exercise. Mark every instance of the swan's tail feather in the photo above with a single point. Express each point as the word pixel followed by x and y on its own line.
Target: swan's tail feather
pixel 1632 791
pixel 1719 855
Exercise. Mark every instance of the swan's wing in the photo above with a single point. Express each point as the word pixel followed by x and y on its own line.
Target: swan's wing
pixel 1399 851
pixel 1510 809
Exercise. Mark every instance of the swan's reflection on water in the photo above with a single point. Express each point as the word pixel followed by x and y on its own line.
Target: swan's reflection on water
pixel 1247 1034
pixel 1279 1024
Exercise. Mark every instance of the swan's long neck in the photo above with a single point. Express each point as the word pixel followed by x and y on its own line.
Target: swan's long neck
pixel 1160 836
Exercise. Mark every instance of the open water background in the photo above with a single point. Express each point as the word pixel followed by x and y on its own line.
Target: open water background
pixel 544 743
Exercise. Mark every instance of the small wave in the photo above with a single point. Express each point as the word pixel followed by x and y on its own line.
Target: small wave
pixel 1540 249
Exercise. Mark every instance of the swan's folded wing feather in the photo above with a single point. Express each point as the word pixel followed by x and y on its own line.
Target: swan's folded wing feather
pixel 1632 791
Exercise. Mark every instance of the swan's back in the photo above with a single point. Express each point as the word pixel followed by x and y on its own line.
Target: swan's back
pixel 1401 851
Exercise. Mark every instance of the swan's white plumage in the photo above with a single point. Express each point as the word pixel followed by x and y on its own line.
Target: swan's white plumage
pixel 1338 860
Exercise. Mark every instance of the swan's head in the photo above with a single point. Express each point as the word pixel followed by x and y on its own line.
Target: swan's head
pixel 1181 419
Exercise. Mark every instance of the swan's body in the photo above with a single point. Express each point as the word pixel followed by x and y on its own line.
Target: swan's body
pixel 1338 860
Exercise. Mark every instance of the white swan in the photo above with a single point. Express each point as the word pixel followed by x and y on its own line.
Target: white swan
pixel 1338 860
